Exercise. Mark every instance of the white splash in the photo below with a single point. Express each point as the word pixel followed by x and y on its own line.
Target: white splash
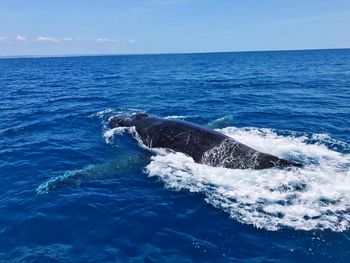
pixel 181 117
pixel 314 197
pixel 103 113
pixel 113 111
pixel 109 134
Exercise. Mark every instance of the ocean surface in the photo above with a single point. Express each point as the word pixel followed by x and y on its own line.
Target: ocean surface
pixel 72 190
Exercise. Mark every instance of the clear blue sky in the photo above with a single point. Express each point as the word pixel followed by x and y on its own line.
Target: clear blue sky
pixel 48 27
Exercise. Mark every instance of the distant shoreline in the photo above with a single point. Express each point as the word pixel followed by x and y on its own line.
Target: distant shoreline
pixel 155 54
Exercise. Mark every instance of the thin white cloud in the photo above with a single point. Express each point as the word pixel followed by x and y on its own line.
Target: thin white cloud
pixel 11 40
pixel 4 39
pixel 55 40
pixel 20 38
pixel 70 39
pixel 46 40
pixel 105 40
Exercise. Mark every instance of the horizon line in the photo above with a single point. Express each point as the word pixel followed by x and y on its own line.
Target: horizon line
pixel 162 53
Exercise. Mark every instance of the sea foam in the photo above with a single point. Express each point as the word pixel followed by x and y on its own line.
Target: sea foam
pixel 314 197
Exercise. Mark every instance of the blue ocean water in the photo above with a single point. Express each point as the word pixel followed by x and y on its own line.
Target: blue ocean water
pixel 73 191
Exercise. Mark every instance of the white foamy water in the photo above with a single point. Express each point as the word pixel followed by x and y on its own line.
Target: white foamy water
pixel 314 197
pixel 109 134
pixel 180 117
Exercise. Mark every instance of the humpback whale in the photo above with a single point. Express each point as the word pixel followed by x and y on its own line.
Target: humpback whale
pixel 204 145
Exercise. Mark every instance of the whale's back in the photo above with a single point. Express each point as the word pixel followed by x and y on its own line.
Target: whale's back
pixel 203 144
pixel 177 135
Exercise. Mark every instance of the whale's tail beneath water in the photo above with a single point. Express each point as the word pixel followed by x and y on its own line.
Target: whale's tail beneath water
pixel 116 167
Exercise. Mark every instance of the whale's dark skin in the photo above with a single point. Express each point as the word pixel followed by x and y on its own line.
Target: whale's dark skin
pixel 204 145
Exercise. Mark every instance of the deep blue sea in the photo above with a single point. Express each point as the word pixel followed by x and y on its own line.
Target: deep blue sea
pixel 72 190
